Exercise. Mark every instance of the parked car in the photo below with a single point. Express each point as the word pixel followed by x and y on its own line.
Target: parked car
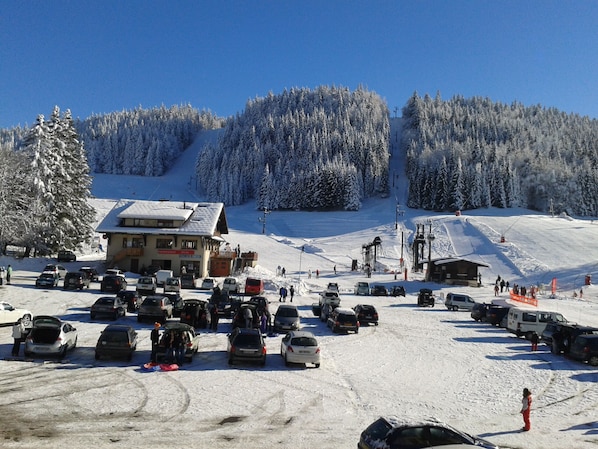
pixel 114 271
pixel 188 280
pixel 208 284
pixel 561 336
pixel 362 288
pixel 254 286
pixel 497 315
pixel 333 286
pixel 230 285
pixel 66 256
pixel 10 314
pixel 116 341
pixel 195 313
pixel 366 313
pixel 76 280
pixel 155 308
pixel 263 305
pixel 92 273
pixel 391 432
pixel 342 319
pixel 172 285
pixel 478 311
pixel 162 275
pixel 239 316
pixel 48 279
pixel 425 298
pixel 225 304
pixel 113 283
pixel 585 348
pixel 397 290
pixel 379 290
pixel 56 269
pixel 50 336
pixel 326 310
pixel 131 298
pixel 177 303
pixel 300 347
pixel 246 345
pixel 146 285
pixel 189 335
pixel 458 301
pixel 524 322
pixel 286 318
pixel 111 306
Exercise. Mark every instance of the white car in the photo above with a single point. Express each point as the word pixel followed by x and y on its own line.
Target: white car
pixel 230 285
pixel 58 269
pixel 208 284
pixel 10 314
pixel 50 336
pixel 300 347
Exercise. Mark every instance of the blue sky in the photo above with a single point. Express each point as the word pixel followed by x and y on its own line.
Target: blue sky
pixel 105 56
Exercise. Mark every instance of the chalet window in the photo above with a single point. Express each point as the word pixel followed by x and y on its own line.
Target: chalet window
pixel 165 223
pixel 164 243
pixel 189 244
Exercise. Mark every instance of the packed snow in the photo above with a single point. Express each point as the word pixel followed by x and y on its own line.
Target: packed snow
pixel 417 363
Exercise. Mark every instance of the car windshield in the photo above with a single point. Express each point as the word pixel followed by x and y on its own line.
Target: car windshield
pixel 114 337
pixel 287 312
pixel 345 317
pixel 152 302
pixel 248 340
pixel 105 301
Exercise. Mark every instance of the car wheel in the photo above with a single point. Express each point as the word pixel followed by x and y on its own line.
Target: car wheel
pixel 75 344
pixel 139 319
pixel 593 360
pixel 62 352
pixel 286 360
pixel 317 365
pixel 263 362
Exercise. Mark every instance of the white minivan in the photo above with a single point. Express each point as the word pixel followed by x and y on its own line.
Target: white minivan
pixel 524 322
pixel 457 301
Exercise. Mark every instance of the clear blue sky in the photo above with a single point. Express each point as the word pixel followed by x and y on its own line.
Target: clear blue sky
pixel 105 56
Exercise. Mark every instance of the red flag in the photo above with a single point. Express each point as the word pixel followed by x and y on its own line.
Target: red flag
pixel 553 286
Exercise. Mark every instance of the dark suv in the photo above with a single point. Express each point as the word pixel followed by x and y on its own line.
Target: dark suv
pixel 425 298
pixel 76 280
pixel 497 315
pixel 246 345
pixel 66 256
pixel 116 341
pixel 366 313
pixel 585 348
pixel 113 283
pixel 345 320
pixel 561 336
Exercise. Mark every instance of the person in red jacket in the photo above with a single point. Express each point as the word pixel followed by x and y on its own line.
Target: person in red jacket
pixel 526 407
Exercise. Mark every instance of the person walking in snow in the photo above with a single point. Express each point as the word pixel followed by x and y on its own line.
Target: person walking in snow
pixel 535 339
pixel 8 273
pixel 18 334
pixel 502 285
pixel 335 270
pixel 248 318
pixel 496 289
pixel 155 338
pixel 526 407
pixel 284 272
pixel 292 292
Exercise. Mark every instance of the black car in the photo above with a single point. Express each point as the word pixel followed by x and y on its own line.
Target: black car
pixel 561 336
pixel 478 311
pixel 113 283
pixel 366 313
pixel 76 280
pixel 425 298
pixel 390 432
pixel 131 298
pixel 397 290
pixel 188 280
pixel 111 306
pixel 585 348
pixel 246 345
pixel 66 256
pixel 195 313
pixel 225 304
pixel 379 290
pixel 497 315
pixel 47 279
pixel 116 341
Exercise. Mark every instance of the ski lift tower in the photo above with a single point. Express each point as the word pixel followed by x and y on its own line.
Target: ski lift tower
pixel 418 247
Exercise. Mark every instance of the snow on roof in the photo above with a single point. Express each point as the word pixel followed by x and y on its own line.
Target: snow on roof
pixel 199 218
pixel 445 260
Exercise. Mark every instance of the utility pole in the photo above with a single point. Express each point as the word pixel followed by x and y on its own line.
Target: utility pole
pixel 262 220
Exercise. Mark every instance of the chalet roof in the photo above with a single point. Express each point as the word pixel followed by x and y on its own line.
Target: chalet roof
pixel 448 260
pixel 201 219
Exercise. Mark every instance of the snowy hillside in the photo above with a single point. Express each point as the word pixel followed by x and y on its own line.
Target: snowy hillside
pixel 417 363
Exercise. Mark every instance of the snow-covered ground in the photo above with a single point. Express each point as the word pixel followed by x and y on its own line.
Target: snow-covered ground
pixel 418 363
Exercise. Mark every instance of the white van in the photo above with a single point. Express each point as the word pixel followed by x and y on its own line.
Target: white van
pixel 457 301
pixel 162 275
pixel 527 321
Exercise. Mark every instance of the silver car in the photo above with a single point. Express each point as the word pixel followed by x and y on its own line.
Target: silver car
pixel 286 318
pixel 50 336
pixel 300 347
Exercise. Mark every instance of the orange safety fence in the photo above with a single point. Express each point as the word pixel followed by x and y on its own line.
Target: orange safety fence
pixel 524 299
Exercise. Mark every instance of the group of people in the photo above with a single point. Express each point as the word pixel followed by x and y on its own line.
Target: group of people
pixel 500 285
pixel 174 342
pixel 284 293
